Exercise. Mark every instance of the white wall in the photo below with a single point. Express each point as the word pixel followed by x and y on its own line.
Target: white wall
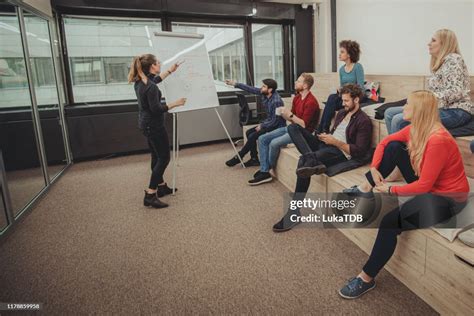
pixel 322 37
pixel 394 34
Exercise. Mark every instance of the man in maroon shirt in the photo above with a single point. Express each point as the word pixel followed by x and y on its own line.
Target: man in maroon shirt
pixel 304 112
pixel 350 138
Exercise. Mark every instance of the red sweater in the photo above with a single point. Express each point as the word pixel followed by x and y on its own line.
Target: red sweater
pixel 306 109
pixel 441 170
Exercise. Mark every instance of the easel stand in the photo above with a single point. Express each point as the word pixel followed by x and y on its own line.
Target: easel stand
pixel 176 145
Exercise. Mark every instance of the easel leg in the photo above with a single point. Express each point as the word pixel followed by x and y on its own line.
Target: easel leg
pixel 230 139
pixel 177 140
pixel 174 152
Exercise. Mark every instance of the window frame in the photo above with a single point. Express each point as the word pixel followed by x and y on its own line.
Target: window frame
pixel 166 20
pixel 101 71
pixel 36 72
pixel 220 58
pixel 282 51
pixel 107 70
pixel 25 82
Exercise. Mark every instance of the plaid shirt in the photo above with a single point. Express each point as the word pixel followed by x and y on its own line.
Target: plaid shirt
pixel 272 121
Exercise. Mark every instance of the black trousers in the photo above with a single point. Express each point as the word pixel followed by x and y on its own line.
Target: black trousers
pixel 160 153
pixel 306 142
pixel 333 104
pixel 395 155
pixel 422 211
pixel 251 144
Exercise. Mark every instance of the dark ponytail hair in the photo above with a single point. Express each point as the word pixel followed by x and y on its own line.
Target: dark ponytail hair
pixel 140 68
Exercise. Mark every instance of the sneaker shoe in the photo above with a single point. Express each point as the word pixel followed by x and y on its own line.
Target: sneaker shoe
pixel 256 173
pixel 285 224
pixel 261 177
pixel 252 162
pixel 355 191
pixel 356 287
pixel 232 162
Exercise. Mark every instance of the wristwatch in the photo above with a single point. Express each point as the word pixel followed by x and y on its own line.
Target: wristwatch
pixel 291 116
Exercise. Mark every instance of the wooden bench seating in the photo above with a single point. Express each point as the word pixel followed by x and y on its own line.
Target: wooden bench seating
pixel 438 271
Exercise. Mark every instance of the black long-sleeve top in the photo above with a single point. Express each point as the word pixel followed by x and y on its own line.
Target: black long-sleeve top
pixel 150 110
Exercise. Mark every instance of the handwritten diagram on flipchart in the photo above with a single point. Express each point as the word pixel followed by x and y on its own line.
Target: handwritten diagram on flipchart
pixel 193 79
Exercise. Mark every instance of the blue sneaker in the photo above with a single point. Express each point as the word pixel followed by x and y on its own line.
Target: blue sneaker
pixel 356 287
pixel 354 191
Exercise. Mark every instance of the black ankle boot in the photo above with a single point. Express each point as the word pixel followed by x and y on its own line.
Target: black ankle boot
pixel 287 222
pixel 309 165
pixel 164 190
pixel 151 200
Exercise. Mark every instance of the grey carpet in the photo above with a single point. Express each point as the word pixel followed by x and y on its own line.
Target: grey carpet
pixel 90 247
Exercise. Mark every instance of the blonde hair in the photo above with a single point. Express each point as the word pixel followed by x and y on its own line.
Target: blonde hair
pixel 140 67
pixel 425 121
pixel 449 44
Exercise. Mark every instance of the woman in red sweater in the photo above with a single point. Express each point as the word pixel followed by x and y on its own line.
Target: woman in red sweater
pixel 431 164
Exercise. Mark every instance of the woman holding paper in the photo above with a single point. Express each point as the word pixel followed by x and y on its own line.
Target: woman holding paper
pixel 145 74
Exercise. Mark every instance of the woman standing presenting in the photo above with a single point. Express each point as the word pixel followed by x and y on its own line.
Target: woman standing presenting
pixel 151 118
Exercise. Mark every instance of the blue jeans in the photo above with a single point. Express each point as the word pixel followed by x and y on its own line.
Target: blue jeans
pixel 333 104
pixel 394 119
pixel 452 118
pixel 269 147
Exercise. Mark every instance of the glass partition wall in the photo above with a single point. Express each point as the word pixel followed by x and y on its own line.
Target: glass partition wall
pixel 33 136
pixel 46 91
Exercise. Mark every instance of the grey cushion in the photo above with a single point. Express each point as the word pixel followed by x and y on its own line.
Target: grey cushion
pixel 467 237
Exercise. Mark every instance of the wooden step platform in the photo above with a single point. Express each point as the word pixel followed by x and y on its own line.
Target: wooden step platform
pixel 438 271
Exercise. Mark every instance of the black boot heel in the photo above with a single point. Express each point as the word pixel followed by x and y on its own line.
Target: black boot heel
pixel 164 190
pixel 151 200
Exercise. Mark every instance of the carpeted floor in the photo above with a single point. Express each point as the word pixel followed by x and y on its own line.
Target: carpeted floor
pixel 26 184
pixel 90 247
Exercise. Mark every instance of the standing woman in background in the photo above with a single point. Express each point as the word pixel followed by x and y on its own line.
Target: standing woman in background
pixel 449 81
pixel 151 120
pixel 351 72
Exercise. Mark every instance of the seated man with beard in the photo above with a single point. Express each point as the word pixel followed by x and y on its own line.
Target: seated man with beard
pixel 350 138
pixel 304 112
